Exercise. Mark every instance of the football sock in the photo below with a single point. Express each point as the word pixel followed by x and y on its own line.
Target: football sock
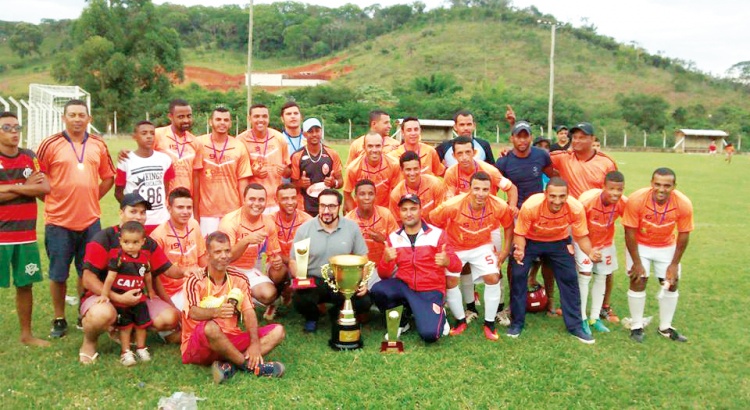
pixel 455 303
pixel 467 289
pixel 637 304
pixel 472 307
pixel 490 324
pixel 583 287
pixel 667 307
pixel 491 301
pixel 597 295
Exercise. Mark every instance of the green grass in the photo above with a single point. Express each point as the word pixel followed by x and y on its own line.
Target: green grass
pixel 544 368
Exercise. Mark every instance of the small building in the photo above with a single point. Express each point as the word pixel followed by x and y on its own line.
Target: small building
pixel 433 131
pixel 689 140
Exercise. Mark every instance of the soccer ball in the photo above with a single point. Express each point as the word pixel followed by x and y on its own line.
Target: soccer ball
pixel 536 300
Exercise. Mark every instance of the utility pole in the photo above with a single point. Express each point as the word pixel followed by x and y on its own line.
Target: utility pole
pixel 553 26
pixel 250 56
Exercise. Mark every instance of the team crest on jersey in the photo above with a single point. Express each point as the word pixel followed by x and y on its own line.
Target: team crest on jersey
pixel 142 270
pixel 325 169
pixel 27 172
pixel 535 170
pixel 31 269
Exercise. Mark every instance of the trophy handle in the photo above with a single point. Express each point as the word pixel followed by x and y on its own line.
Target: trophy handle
pixel 369 271
pixel 325 270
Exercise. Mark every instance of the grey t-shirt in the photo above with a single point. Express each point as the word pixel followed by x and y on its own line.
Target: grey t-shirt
pixel 347 239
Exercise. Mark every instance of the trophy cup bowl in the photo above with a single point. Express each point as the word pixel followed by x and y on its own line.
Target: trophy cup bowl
pixel 345 274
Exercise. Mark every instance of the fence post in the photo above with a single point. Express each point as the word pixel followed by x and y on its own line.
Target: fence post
pixel 604 139
pixel 664 144
pixel 625 139
pixel 645 138
pixel 739 142
pixel 497 134
pixel 115 122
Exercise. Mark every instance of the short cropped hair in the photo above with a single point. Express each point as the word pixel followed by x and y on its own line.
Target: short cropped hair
pixel 408 156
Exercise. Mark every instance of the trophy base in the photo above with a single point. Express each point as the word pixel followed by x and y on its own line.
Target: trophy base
pixel 346 337
pixel 392 347
pixel 303 283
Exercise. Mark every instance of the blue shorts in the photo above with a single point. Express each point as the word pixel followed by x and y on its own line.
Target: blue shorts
pixel 65 246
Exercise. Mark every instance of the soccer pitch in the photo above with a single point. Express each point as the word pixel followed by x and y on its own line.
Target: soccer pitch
pixel 543 368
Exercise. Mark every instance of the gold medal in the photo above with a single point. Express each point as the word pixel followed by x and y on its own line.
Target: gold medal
pixel 80 166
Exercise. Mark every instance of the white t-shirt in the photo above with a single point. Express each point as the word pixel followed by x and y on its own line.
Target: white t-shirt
pixel 148 177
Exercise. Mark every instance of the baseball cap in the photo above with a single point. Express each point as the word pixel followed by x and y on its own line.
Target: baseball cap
pixel 540 140
pixel 133 199
pixel 560 127
pixel 309 123
pixel 586 127
pixel 520 126
pixel 411 198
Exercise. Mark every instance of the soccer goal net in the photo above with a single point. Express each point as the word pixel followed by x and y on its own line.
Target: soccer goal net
pixel 45 109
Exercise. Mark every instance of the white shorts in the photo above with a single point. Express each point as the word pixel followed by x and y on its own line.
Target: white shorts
pixel 255 277
pixel 482 261
pixel 209 225
pixel 496 236
pixel 605 267
pixel 179 300
pixel 660 257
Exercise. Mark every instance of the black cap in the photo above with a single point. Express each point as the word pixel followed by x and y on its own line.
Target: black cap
pixel 133 199
pixel 540 140
pixel 521 126
pixel 586 127
pixel 411 198
pixel 559 128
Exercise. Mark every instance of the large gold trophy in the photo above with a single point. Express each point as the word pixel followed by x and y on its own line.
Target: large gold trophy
pixel 345 274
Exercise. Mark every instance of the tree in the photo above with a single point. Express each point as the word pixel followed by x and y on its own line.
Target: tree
pixel 740 72
pixel 647 112
pixel 26 39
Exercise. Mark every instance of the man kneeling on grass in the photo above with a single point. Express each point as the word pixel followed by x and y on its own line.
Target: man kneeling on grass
pixel 215 301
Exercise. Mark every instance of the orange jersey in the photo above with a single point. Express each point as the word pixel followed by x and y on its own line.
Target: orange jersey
pixel 198 287
pixel 467 228
pixel 601 218
pixel 357 148
pixel 538 223
pixel 582 175
pixel 431 191
pixel 381 222
pixel 74 171
pixel 182 152
pixel 655 224
pixel 287 229
pixel 220 166
pixel 265 155
pixel 183 247
pixel 458 183
pixel 385 175
pixel 429 159
pixel 237 226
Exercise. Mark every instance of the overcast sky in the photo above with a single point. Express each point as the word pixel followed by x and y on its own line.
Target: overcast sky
pixel 713 34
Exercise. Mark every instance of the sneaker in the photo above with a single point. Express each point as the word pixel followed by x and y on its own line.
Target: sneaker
pixel 672 334
pixel 310 326
pixel 599 326
pixel 609 315
pixel 583 337
pixel 143 354
pixel 513 331
pixel 222 371
pixel 636 335
pixel 270 312
pixel 127 358
pixel 585 327
pixel 446 329
pixel 470 316
pixel 401 330
pixel 269 369
pixel 490 334
pixel 628 322
pixel 458 329
pixel 503 317
pixel 59 328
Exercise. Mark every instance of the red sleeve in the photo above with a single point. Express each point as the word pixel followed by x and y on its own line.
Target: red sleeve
pixel 385 269
pixel 121 178
pixel 455 264
pixel 169 175
pixel 96 258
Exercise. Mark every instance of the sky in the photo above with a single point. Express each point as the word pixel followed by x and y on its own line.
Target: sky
pixel 712 34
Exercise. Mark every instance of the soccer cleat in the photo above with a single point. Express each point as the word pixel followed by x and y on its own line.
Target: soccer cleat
pixel 491 334
pixel 598 326
pixel 269 369
pixel 672 334
pixel 609 315
pixel 59 328
pixel 127 358
pixel 585 327
pixel 513 331
pixel 470 315
pixel 222 371
pixel 503 317
pixel 310 326
pixel 270 312
pixel 583 337
pixel 636 335
pixel 460 328
pixel 143 354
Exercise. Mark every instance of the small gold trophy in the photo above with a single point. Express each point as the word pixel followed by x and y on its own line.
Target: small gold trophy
pixel 393 320
pixel 301 256
pixel 345 274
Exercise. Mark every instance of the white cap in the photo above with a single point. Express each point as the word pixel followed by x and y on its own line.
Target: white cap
pixel 309 123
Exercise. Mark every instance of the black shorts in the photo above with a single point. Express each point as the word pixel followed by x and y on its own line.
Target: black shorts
pixel 137 316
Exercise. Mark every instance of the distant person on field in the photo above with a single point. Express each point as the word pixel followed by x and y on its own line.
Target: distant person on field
pixel 21 182
pixel 563 139
pixel 729 151
pixel 712 148
pixel 80 172
pixel 596 145
pixel 380 124
pixel 464 126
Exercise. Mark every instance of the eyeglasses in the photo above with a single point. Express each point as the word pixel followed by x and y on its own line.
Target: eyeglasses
pixel 10 128
pixel 328 206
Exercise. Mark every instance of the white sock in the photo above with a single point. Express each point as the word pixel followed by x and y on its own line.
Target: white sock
pixel 455 303
pixel 467 288
pixel 667 307
pixel 637 303
pixel 597 294
pixel 491 301
pixel 583 287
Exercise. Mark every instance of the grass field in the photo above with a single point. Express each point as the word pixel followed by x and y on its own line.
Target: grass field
pixel 544 368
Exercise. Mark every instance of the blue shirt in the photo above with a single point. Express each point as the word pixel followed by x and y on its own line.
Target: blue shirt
pixel 525 173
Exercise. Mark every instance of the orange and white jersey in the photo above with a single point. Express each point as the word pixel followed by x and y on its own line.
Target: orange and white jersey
pixel 182 152
pixel 237 226
pixel 220 166
pixel 467 228
pixel 431 192
pixel 265 154
pixel 183 247
pixel 381 222
pixel 287 229
pixel 385 175
pixel 457 182
pixel 357 148
pixel 656 224
pixel 582 175
pixel 429 160
pixel 538 223
pixel 601 218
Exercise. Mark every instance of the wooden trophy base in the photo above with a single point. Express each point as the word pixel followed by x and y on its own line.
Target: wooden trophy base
pixel 306 283
pixel 392 347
